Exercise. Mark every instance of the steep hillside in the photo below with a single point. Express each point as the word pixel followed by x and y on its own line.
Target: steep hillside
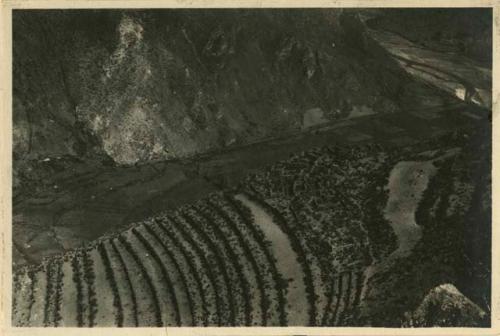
pixel 320 239
pixel 137 86
pixel 251 168
pixel 464 31
pixel 450 49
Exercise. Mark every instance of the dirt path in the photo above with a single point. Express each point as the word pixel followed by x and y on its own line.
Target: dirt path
pixel 287 263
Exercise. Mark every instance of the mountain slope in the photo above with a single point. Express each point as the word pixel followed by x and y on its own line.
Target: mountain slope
pixel 137 86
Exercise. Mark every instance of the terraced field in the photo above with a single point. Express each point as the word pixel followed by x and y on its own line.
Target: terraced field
pixel 77 204
pixel 240 168
pixel 296 243
pixel 205 264
pixel 227 259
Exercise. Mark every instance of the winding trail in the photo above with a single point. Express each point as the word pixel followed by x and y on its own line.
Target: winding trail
pixel 287 263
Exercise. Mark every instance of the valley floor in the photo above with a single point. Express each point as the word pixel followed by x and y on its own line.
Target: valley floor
pixel 81 202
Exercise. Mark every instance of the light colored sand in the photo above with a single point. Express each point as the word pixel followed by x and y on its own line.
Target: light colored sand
pixel 69 302
pixel 209 290
pixel 38 308
pixel 105 316
pixel 177 283
pixel 183 263
pixel 22 297
pixel 158 282
pixel 145 306
pixel 287 263
pixel 122 286
pixel 254 295
pixel 265 270
pixel 407 183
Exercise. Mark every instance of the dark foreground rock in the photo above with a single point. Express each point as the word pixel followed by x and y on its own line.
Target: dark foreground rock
pixel 445 306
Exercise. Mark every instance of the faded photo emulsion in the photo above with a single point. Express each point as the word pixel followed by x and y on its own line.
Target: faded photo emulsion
pixel 315 167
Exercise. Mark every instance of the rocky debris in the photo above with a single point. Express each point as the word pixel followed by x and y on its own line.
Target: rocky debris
pixel 446 306
pixel 139 86
pixel 313 117
pixel 94 90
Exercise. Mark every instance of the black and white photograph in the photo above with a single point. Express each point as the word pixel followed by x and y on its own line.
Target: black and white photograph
pixel 251 167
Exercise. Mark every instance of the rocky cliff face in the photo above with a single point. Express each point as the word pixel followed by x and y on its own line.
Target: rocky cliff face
pixel 136 86
pixel 445 306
